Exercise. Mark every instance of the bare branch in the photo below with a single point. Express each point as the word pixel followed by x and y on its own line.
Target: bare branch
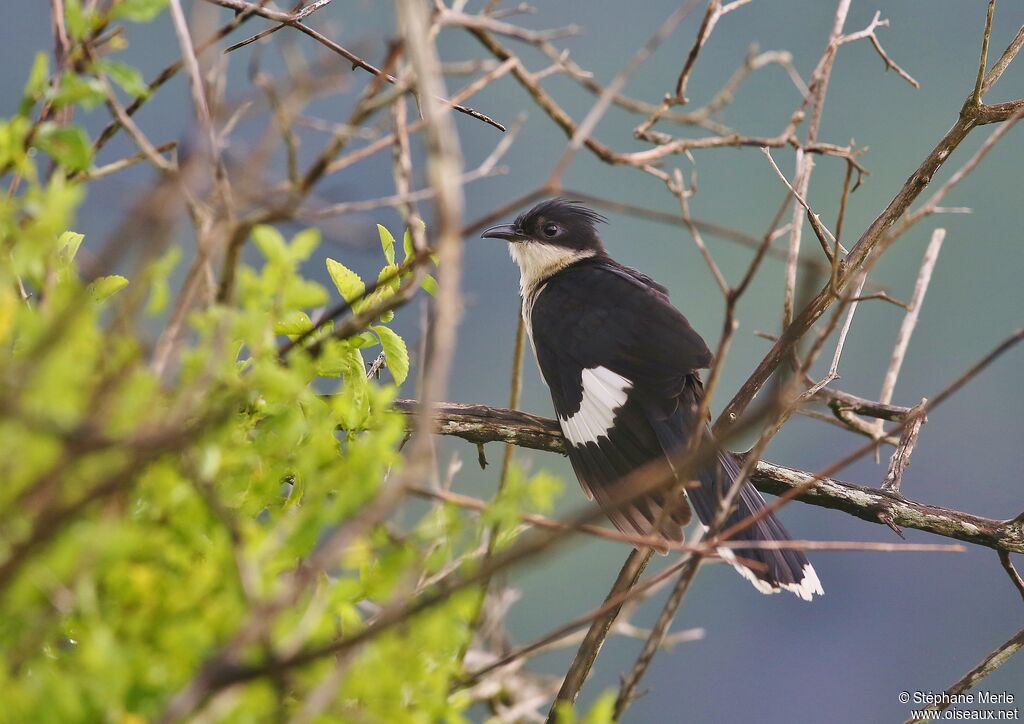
pixel 869 33
pixel 599 629
pixel 976 97
pixel 1015 579
pixel 901 457
pixel 493 25
pixel 820 230
pixel 840 401
pixel 1004 61
pixel 146 148
pixel 931 256
pixel 627 691
pixel 987 665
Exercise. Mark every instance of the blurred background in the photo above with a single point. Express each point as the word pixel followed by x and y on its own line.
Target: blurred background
pixel 888 622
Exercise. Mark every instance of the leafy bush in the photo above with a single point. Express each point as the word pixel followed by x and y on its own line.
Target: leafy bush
pixel 153 520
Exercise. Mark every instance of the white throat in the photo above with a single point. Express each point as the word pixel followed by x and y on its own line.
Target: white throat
pixel 538 261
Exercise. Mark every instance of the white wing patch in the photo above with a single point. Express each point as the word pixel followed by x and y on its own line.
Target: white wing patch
pixel 604 392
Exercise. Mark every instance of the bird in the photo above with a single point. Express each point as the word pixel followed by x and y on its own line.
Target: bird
pixel 623 368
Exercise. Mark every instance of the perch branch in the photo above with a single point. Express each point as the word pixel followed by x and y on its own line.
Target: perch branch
pixel 481 424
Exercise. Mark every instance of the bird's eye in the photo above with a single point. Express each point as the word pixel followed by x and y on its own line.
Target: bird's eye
pixel 550 230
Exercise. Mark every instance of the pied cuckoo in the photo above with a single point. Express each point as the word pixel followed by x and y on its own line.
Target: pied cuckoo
pixel 622 365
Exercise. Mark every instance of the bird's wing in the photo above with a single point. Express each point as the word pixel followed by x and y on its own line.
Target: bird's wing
pixel 620 362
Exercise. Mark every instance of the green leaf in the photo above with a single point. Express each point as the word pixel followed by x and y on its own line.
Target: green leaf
pixel 387 242
pixel 301 293
pixel 75 89
pixel 389 279
pixel 294 322
pixel 603 710
pixel 333 359
pixel 430 285
pixel 67 245
pixel 127 77
pixel 67 145
pixel 138 11
pixel 406 244
pixel 271 243
pixel 542 489
pixel 355 392
pixel 12 144
pixel 407 247
pixel 364 340
pixel 395 351
pixel 38 80
pixel 305 243
pixel 158 273
pixel 349 285
pixel 77 22
pixel 102 288
pixel 9 302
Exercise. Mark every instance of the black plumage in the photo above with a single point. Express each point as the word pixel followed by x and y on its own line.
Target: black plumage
pixel 622 365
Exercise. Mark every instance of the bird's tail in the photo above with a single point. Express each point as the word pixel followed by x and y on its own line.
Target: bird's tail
pixel 770 569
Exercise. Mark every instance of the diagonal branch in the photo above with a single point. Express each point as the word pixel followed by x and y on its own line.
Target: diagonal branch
pixel 989 664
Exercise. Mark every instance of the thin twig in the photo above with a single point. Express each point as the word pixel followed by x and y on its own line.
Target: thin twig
pixel 1018 582
pixel 127 162
pixel 901 457
pixel 146 148
pixel 627 692
pixel 820 230
pixel 600 626
pixel 931 256
pixel 295 20
pixel 969 680
pixel 978 86
pixel 880 232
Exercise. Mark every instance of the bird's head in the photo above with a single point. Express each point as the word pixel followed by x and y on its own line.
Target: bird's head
pixel 549 237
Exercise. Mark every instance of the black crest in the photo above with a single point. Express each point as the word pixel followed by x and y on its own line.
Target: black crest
pixel 562 222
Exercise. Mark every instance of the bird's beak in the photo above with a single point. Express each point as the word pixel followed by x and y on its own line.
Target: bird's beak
pixel 507 232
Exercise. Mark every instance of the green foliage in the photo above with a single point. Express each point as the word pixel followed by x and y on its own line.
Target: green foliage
pixel 128 78
pixel 520 495
pixel 75 89
pixel 147 518
pixel 387 243
pixel 349 285
pixel 602 712
pixel 67 145
pixel 395 351
pixel 139 11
